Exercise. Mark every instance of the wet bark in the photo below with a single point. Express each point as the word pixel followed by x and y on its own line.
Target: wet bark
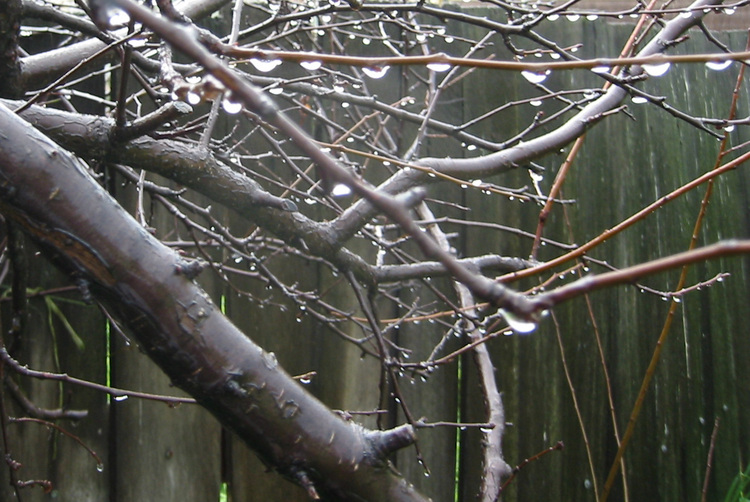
pixel 50 195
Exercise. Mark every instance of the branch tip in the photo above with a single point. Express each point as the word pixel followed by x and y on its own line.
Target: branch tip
pixel 386 442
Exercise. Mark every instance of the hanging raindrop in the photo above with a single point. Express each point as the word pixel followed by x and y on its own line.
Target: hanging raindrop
pixel 535 77
pixel 265 65
pixel 639 100
pixel 517 324
pixel 718 65
pixel 231 107
pixel 658 69
pixel 193 98
pixel 375 72
pixel 439 67
pixel 340 190
pixel 311 65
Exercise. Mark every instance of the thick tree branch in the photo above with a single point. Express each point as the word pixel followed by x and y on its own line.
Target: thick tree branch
pixel 50 195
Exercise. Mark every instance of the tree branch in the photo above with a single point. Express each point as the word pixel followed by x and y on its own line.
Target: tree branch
pixel 50 195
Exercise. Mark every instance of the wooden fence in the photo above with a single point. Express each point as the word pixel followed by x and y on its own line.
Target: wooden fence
pixel 151 452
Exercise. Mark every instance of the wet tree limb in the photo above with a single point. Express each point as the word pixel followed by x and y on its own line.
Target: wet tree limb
pixel 51 196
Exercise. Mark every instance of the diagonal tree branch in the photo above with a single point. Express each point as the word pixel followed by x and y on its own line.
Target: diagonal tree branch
pixel 49 194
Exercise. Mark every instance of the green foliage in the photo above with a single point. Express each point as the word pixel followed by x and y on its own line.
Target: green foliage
pixel 739 491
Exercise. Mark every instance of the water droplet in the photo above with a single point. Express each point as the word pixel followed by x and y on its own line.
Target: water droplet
pixel 657 69
pixel 448 40
pixel 729 11
pixel 686 14
pixel 718 65
pixel 439 67
pixel 99 467
pixel 341 190
pixel 535 102
pixel 265 65
pixel 231 107
pixel 600 69
pixel 375 72
pixel 729 128
pixel 553 17
pixel 366 41
pixel 114 16
pixel 276 90
pixel 421 37
pixel 573 17
pixel 311 65
pixel 639 100
pixel 477 183
pixel 592 17
pixel 590 94
pixel 344 105
pixel 677 299
pixel 121 398
pixel 193 98
pixel 535 77
pixel 517 324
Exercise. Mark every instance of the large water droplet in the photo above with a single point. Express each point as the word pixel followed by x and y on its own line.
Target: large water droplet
pixel 99 467
pixel 535 77
pixel 231 107
pixel 193 98
pixel 658 69
pixel 639 100
pixel 439 67
pixel 600 69
pixel 121 398
pixel 729 11
pixel 718 65
pixel 311 65
pixel 265 65
pixel 573 17
pixel 276 90
pixel 340 190
pixel 522 326
pixel 375 71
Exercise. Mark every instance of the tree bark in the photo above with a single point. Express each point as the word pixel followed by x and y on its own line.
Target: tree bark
pixel 49 194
